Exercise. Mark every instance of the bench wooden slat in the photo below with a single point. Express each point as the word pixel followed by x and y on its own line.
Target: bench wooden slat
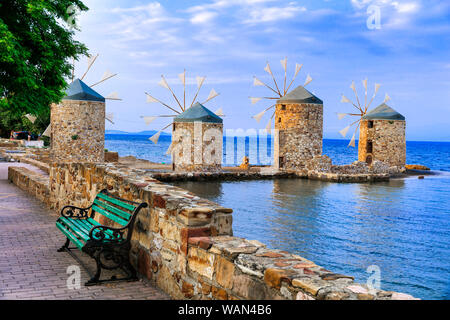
pixel 110 215
pixel 117 202
pixel 70 235
pixel 115 210
pixel 89 225
pixel 76 229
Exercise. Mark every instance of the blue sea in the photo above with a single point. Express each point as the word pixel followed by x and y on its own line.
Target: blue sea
pixel 402 226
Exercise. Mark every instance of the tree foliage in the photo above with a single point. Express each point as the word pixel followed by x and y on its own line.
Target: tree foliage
pixel 36 51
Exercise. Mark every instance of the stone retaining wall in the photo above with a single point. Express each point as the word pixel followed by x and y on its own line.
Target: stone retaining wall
pixel 31 182
pixel 184 244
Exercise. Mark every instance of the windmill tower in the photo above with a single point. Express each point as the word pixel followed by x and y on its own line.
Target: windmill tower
pixel 382 137
pixel 197 132
pixel 298 121
pixel 77 123
pixel 381 130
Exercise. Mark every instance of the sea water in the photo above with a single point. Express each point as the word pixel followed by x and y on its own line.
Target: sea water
pixel 401 226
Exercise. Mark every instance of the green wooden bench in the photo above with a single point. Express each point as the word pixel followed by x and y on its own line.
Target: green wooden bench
pixel 108 245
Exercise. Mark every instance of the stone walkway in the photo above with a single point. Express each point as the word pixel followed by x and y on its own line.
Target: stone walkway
pixel 30 266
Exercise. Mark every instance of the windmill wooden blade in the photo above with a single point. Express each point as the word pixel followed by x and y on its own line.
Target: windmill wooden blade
pixel 342 115
pixel 200 81
pixel 308 80
pixel 356 93
pixel 150 99
pixel 257 82
pixel 365 93
pixel 110 117
pixel 91 61
pixel 298 67
pixel 163 83
pixel 269 126
pixel 148 120
pixel 31 118
pixel 352 141
pixel 259 116
pixel 377 87
pixel 284 64
pixel 169 150
pixel 255 100
pixel 269 71
pixel 107 75
pixel 345 99
pixel 182 77
pixel 344 131
pixel 48 131
pixel 219 112
pixel 113 96
pixel 212 95
pixel 155 137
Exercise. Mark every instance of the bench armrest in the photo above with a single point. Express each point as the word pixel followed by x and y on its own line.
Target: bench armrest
pixel 98 233
pixel 73 212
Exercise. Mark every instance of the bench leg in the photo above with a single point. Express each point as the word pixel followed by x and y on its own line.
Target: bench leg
pixel 96 278
pixel 65 246
pixel 128 268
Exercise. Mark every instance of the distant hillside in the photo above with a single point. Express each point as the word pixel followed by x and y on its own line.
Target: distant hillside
pixel 142 133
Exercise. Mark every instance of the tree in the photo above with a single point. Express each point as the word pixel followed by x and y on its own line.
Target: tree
pixel 36 51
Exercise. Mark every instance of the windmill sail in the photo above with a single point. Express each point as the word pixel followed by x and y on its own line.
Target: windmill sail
pixel 308 80
pixel 155 137
pixel 259 116
pixel 48 131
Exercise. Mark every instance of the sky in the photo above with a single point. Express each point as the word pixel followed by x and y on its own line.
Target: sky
pixel 230 42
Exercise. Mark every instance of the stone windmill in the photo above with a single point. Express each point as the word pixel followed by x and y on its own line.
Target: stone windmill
pixel 298 118
pixel 77 123
pixel 191 125
pixel 381 130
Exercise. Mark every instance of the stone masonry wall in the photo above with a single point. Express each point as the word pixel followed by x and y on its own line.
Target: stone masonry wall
pixel 388 142
pixel 299 135
pixel 78 131
pixel 197 150
pixel 184 244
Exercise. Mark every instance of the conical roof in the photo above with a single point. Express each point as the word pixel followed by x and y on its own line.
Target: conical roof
pixel 383 112
pixel 300 95
pixel 78 90
pixel 200 113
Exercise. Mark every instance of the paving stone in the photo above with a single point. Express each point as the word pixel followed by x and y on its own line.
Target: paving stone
pixel 30 266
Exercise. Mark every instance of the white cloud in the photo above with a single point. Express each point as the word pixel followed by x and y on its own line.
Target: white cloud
pixel 270 14
pixel 203 17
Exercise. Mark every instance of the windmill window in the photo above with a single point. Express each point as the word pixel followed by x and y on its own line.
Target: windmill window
pixel 279 120
pixel 370 125
pixel 174 127
pixel 283 107
pixel 369 147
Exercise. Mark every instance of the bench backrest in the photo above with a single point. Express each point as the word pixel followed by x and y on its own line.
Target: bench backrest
pixel 120 211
